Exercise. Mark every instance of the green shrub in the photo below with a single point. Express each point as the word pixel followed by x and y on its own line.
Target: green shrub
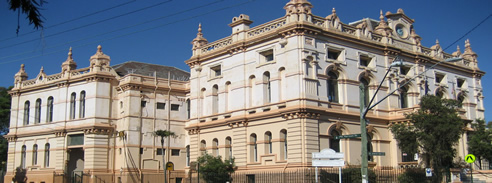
pixel 412 175
pixel 354 175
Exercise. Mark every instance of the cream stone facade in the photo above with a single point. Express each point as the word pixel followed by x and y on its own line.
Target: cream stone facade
pixel 273 94
pixel 268 96
pixel 96 120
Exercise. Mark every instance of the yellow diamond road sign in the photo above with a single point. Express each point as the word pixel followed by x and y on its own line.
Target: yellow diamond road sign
pixel 470 158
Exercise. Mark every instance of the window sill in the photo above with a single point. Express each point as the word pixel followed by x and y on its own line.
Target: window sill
pixel 215 77
pixel 266 63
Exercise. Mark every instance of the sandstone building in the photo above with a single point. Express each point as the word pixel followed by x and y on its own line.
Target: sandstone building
pixel 268 96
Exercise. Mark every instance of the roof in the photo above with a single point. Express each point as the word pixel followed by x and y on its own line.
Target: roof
pixel 146 69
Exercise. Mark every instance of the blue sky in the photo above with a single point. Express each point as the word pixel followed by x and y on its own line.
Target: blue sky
pixel 160 32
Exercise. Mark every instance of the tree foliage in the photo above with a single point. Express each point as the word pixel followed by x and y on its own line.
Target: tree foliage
pixel 5 99
pixel 213 169
pixel 31 9
pixel 433 132
pixel 480 141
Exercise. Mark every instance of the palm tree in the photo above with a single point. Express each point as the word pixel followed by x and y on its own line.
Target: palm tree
pixel 164 134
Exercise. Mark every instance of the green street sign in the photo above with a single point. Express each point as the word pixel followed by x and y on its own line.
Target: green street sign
pixel 376 153
pixel 347 136
pixel 470 158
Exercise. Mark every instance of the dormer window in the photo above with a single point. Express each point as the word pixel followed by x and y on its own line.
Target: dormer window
pixel 267 56
pixel 216 71
pixel 364 60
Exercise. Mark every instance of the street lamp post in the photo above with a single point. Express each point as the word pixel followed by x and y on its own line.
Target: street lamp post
pixel 364 108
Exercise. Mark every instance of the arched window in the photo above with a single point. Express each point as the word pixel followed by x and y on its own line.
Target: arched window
pixel 227 93
pixel 283 146
pixel 188 155
pixel 332 87
pixel 202 102
pixel 268 145
pixel 82 105
pixel 35 154
pixel 27 105
pixel 47 155
pixel 334 143
pixel 23 156
pixel 188 108
pixel 37 111
pixel 215 147
pixel 440 92
pixel 72 105
pixel 215 99
pixel 49 110
pixel 228 147
pixel 254 147
pixel 364 82
pixel 461 98
pixel 404 97
pixel 267 87
pixel 251 90
pixel 281 83
pixel 369 147
pixel 203 147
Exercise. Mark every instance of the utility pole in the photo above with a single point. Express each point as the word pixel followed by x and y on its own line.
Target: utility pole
pixel 363 133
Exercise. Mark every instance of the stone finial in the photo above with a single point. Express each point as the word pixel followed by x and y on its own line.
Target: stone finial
pixel 99 59
pixel 199 40
pixel 436 46
pixel 383 27
pixel 469 54
pixel 457 53
pixel 400 11
pixel 333 15
pixel 69 64
pixel 298 7
pixel 21 75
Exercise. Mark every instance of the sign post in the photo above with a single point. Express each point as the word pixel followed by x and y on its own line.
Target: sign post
pixel 328 157
pixel 470 158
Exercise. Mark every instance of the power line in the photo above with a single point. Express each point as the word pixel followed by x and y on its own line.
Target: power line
pixel 116 30
pixel 127 34
pixel 71 20
pixel 471 30
pixel 89 24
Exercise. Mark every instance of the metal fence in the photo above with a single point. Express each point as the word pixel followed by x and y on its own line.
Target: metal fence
pixel 300 175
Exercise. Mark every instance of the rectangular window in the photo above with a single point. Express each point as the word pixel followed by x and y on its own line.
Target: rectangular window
pixel 460 82
pixel 74 140
pixel 174 107
pixel 160 151
pixel 404 70
pixel 216 71
pixel 364 60
pixel 334 54
pixel 175 152
pixel 267 56
pixel 161 105
pixel 143 103
pixel 439 77
pixel 141 150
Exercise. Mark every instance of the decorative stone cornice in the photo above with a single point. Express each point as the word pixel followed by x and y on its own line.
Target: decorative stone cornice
pixel 61 133
pixel 98 131
pixel 12 138
pixel 241 123
pixel 300 115
pixel 194 131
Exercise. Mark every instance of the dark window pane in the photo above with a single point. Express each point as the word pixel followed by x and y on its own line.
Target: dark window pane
pixel 161 105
